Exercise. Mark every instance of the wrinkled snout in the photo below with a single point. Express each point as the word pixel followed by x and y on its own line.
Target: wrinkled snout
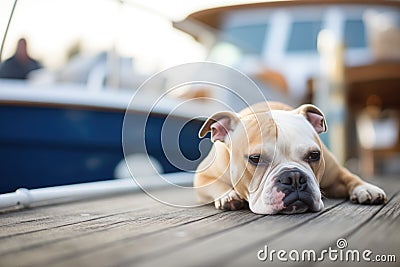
pixel 299 197
pixel 289 190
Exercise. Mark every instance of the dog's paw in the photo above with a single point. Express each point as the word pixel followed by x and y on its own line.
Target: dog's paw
pixel 368 194
pixel 230 201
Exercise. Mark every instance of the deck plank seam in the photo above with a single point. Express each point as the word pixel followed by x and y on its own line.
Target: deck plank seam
pixel 54 241
pixel 124 222
pixel 106 245
pixel 69 224
pixel 26 221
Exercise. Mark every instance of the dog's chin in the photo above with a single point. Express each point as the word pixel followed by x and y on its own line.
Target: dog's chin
pixel 296 207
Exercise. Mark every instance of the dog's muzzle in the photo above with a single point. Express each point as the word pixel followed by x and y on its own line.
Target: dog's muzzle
pixel 298 196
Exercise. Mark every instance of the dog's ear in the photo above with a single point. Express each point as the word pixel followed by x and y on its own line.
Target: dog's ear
pixel 219 125
pixel 314 116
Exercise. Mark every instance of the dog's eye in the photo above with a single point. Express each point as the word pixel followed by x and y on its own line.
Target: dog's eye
pixel 313 156
pixel 255 159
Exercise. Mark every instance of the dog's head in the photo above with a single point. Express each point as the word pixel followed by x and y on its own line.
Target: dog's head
pixel 276 159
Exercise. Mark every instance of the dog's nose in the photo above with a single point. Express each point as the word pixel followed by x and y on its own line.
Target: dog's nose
pixel 293 179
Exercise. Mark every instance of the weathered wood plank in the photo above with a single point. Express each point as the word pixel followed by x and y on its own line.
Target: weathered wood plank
pixel 318 234
pixel 162 242
pixel 55 216
pixel 72 222
pixel 136 230
pixel 381 235
pixel 85 240
pixel 250 238
pixel 42 218
pixel 214 249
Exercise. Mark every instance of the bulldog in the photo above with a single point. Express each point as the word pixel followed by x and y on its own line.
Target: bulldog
pixel 269 156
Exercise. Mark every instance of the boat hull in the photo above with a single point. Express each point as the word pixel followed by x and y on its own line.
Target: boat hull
pixel 50 145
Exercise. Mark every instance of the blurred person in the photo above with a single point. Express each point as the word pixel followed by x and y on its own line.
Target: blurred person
pixel 20 64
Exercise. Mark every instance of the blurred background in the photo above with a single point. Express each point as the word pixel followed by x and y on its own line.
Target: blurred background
pixel 62 104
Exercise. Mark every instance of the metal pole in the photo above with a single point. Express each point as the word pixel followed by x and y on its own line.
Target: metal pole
pixel 23 198
pixel 6 31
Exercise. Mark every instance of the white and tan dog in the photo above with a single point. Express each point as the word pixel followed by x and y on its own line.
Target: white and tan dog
pixel 270 156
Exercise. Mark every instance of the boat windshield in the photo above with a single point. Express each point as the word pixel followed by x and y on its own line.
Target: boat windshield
pixel 303 36
pixel 249 39
pixel 354 33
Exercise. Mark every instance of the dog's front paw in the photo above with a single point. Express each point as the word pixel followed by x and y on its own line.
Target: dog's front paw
pixel 368 194
pixel 230 201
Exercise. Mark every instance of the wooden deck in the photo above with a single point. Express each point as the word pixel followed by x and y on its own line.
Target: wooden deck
pixel 135 230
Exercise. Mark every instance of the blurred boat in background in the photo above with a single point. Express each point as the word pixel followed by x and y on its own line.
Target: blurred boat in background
pixel 276 42
pixel 65 134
